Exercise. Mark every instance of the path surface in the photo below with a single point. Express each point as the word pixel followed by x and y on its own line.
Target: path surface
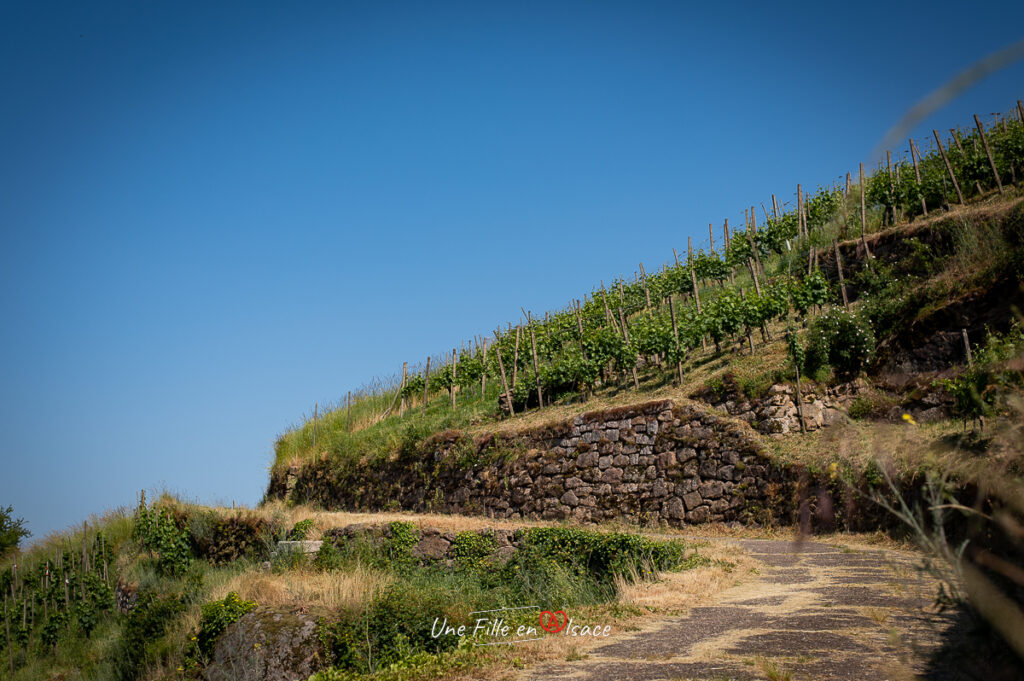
pixel 815 611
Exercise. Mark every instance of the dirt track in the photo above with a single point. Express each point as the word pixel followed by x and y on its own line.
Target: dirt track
pixel 815 611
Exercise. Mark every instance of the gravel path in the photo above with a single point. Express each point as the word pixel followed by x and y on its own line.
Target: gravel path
pixel 815 611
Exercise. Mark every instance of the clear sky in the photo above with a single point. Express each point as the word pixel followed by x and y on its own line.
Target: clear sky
pixel 213 215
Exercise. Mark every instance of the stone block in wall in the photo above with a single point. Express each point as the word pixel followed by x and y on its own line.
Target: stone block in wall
pixel 692 500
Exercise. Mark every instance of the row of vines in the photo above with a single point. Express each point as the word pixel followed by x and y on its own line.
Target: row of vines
pixel 726 295
pixel 60 597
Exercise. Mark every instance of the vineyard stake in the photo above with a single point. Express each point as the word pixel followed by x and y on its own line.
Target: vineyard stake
pixel 504 383
pixel 515 361
pixel 647 295
pixel 849 185
pixel 483 375
pixel 675 334
pixel 426 382
pixel 917 175
pixel 864 217
pixel 625 336
pixel 799 210
pixel 988 152
pixel 751 230
pixel 405 373
pixel 750 338
pixel 765 334
pixel 959 145
pixel 967 348
pixel 799 395
pixel 839 269
pixel 579 325
pixel 711 236
pixel 314 447
pixel 892 186
pixel 1020 111
pixel 775 207
pixel 949 168
pixel 693 275
pixel 533 346
pixel 451 390
pixel 604 297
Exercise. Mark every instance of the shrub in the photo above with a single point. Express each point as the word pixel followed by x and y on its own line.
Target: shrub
pixel 840 339
pixel 145 625
pixel 394 627
pixel 471 549
pixel 157 530
pixel 218 616
pixel 977 391
pixel 301 530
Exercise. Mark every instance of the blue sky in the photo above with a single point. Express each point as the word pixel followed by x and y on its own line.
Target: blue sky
pixel 212 217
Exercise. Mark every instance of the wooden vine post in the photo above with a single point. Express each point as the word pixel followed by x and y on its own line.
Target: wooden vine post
pixel 504 382
pixel 799 393
pixel 515 360
pixel 967 348
pixel 839 269
pixel 728 242
pixel 405 377
pixel 483 375
pixel 917 175
pixel 863 216
pixel 751 231
pixel 693 275
pixel 533 347
pixel 765 334
pixel 711 237
pixel 314 447
pixel 625 336
pixel 775 208
pixel 949 167
pixel 675 334
pixel 647 295
pixel 426 383
pixel 693 281
pixel 451 389
pixel 799 210
pixel 988 152
pixel 892 185
pixel 750 337
pixel 604 297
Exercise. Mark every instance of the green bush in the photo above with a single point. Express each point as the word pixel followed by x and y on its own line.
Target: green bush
pixel 840 339
pixel 140 635
pixel 394 627
pixel 301 529
pixel 471 549
pixel 978 391
pixel 157 530
pixel 218 616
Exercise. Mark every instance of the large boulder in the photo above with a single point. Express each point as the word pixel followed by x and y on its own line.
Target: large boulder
pixel 267 644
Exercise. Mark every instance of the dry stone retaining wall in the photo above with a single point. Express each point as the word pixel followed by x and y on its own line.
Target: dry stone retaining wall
pixel 658 462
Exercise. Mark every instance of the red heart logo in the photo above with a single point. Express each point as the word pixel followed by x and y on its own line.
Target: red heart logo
pixel 550 622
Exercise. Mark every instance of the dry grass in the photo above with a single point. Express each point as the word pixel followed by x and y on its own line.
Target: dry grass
pixel 325 520
pixel 676 591
pixel 312 590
